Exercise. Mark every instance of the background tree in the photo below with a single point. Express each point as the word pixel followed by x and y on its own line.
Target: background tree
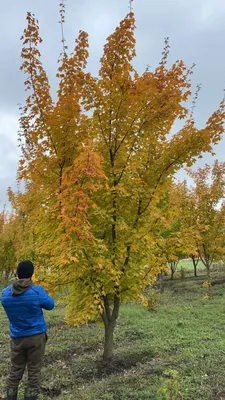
pixel 181 200
pixel 174 236
pixel 96 163
pixel 24 237
pixel 7 245
pixel 195 259
pixel 206 199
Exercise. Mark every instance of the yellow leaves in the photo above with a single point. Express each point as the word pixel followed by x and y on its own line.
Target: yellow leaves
pixel 35 279
pixel 205 228
pixel 144 300
pixel 99 303
pixel 206 284
pixel 98 164
pixel 207 210
pixel 173 257
pixel 64 261
pixel 72 258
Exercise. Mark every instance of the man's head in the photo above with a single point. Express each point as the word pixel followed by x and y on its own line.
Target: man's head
pixel 25 269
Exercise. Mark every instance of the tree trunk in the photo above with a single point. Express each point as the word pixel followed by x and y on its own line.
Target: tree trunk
pixel 172 269
pixel 109 318
pixel 161 282
pixel 195 270
pixel 195 263
pixel 209 280
pixel 208 264
pixel 108 344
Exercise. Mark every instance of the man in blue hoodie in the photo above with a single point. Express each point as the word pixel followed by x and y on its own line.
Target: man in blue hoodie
pixel 23 303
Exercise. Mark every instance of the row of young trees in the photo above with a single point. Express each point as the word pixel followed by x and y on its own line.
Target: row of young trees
pixel 198 229
pixel 7 245
pixel 100 214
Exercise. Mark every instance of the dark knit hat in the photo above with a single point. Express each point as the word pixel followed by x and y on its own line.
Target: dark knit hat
pixel 25 269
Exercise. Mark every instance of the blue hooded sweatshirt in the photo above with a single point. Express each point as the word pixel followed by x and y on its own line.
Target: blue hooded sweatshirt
pixel 23 303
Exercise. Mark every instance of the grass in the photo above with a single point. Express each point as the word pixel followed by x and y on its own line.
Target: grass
pixel 180 346
pixel 188 264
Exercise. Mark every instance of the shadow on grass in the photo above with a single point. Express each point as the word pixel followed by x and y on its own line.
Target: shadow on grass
pixel 90 369
pixel 121 363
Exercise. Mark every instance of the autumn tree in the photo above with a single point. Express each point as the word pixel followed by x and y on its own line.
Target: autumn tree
pixel 189 219
pixel 207 205
pixel 96 162
pixel 174 237
pixel 23 228
pixel 195 260
pixel 7 245
pixel 180 199
pixel 16 239
pixel 175 245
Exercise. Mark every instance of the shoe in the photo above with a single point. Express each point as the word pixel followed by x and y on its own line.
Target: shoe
pixel 12 394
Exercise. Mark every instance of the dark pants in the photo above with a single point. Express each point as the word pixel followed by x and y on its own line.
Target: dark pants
pixel 27 351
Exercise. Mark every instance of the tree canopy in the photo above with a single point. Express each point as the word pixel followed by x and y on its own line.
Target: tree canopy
pixel 96 163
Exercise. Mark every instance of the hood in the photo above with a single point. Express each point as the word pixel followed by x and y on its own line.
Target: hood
pixel 20 286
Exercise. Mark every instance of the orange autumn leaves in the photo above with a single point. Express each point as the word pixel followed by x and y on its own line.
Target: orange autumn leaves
pixel 97 160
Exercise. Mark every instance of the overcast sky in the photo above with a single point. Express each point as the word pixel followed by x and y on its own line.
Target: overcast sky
pixel 197 35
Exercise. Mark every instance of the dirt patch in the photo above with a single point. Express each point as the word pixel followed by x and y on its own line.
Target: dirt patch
pixel 97 369
pixel 219 396
pixel 71 353
pixel 218 282
pixel 152 372
pixel 120 364
pixel 58 324
pixel 54 392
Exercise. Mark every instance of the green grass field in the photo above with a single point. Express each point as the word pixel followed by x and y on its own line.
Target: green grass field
pixel 180 346
pixel 188 264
